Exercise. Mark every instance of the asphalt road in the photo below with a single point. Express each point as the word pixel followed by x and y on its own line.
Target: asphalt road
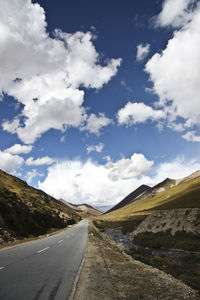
pixel 43 269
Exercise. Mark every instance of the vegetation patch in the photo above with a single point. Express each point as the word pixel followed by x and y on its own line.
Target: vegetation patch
pixel 180 240
pixel 126 226
pixel 186 268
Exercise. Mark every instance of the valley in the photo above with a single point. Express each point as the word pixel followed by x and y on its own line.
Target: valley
pixel 140 243
pixel 160 227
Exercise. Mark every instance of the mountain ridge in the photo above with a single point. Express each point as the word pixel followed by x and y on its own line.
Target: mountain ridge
pixel 130 198
pixel 163 190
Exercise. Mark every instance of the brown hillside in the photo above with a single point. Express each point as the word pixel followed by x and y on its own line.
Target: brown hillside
pixel 26 211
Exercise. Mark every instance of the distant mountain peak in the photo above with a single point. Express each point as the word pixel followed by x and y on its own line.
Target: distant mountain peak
pixel 131 197
pixel 143 195
pixel 82 208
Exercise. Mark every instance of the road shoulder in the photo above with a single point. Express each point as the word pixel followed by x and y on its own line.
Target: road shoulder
pixel 109 274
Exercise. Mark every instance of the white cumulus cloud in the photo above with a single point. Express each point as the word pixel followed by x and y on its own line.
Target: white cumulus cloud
pixel 90 182
pixel 9 163
pixel 46 160
pixel 142 51
pixel 175 13
pixel 95 123
pixel 127 168
pixel 19 149
pixel 175 72
pixel 133 113
pixel 46 74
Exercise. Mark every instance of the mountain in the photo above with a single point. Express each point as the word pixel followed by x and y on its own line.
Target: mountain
pixel 131 197
pixel 169 193
pixel 82 209
pixel 161 227
pixel 26 211
pixel 166 215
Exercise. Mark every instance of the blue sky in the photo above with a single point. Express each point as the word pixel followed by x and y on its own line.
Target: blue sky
pixel 98 98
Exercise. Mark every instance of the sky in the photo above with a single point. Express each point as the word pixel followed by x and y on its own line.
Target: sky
pixel 99 97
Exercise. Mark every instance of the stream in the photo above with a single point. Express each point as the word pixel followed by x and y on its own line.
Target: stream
pixel 125 240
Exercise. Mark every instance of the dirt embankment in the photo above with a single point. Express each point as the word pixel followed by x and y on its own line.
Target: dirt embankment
pixel 187 219
pixel 109 274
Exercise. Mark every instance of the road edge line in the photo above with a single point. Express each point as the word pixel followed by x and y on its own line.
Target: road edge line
pixel 73 291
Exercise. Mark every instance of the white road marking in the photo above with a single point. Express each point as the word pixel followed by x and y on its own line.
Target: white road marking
pixel 43 250
pixel 68 236
pixel 60 241
pixel 2 268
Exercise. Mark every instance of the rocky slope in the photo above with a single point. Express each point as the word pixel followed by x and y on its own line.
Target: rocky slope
pixel 162 227
pixel 26 211
pixel 173 220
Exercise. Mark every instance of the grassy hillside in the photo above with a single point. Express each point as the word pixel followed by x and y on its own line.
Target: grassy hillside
pixel 26 211
pixel 165 217
pixel 183 195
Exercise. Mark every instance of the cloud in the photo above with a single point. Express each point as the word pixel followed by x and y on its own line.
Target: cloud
pixel 96 123
pixel 175 72
pixel 57 114
pixel 19 149
pixel 93 183
pixel 83 61
pixel 133 113
pixel 126 168
pixel 175 169
pixel 191 136
pixel 142 51
pixel 97 148
pixel 46 75
pixel 9 163
pixel 11 126
pixel 175 13
pixel 39 161
pixel 32 174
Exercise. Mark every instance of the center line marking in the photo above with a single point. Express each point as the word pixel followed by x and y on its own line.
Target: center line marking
pixel 2 268
pixel 43 250
pixel 60 241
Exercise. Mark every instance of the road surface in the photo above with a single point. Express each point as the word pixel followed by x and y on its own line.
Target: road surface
pixel 44 269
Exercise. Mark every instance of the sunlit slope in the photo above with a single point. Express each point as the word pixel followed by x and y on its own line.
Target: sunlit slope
pixel 183 195
pixel 131 197
pixel 26 211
